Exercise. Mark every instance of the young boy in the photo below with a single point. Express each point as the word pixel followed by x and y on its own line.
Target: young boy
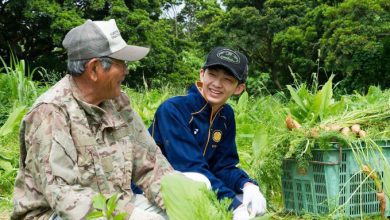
pixel 197 132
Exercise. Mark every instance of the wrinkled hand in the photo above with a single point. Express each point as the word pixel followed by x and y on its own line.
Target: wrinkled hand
pixel 241 213
pixel 254 200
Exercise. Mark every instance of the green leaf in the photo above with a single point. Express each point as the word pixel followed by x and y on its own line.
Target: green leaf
pixel 95 215
pixel 260 140
pixel 13 120
pixel 386 179
pixel 188 199
pixel 335 108
pixel 321 101
pixel 297 99
pixel 265 216
pixel 99 202
pixel 111 204
pixel 243 101
pixel 5 165
pixel 120 216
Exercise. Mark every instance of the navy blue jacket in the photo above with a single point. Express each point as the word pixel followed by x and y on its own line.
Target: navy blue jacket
pixel 193 142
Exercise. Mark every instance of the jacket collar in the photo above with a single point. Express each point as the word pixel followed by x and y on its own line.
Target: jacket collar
pixel 200 104
pixel 99 114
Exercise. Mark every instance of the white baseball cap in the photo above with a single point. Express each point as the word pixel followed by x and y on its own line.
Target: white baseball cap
pixel 100 39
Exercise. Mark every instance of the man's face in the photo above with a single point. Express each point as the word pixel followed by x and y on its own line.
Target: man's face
pixel 110 81
pixel 218 86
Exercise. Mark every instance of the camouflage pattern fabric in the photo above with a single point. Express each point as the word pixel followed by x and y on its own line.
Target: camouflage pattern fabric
pixel 71 151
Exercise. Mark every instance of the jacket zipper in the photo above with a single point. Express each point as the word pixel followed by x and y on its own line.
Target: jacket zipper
pixel 211 123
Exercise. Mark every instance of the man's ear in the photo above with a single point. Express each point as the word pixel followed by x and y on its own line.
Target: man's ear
pixel 92 68
pixel 201 74
pixel 239 89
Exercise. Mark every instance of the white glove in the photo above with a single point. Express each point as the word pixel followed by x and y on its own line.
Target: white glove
pixel 253 196
pixel 241 213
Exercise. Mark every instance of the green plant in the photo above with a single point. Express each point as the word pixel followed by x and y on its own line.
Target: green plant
pixel 22 88
pixel 9 161
pixel 105 208
pixel 13 120
pixel 146 102
pixel 186 199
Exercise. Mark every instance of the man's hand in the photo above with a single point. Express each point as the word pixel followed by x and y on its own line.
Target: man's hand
pixel 241 213
pixel 138 214
pixel 253 196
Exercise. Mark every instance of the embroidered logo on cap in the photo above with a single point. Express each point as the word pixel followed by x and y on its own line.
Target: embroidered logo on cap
pixel 115 34
pixel 229 56
pixel 217 135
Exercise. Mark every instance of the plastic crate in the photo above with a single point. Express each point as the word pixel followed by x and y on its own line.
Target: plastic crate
pixel 332 181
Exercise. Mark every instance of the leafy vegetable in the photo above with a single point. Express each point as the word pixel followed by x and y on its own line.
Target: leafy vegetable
pixel 186 199
pixel 105 208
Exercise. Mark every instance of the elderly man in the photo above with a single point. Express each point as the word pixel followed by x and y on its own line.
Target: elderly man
pixel 82 137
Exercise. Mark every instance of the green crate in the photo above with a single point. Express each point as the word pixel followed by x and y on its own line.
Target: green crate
pixel 331 180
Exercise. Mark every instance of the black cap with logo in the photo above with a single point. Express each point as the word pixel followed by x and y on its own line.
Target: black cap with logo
pixel 233 61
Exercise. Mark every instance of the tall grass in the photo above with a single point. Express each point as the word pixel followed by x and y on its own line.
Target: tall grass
pixel 18 80
pixel 258 121
pixel 17 92
pixel 146 102
pixel 17 87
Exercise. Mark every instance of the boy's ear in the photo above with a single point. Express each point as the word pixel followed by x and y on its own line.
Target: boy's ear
pixel 239 89
pixel 201 74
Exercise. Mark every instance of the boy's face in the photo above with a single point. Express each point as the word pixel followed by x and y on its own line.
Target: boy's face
pixel 218 86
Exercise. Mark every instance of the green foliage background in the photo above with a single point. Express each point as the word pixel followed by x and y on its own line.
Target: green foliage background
pixel 285 41
pixel 349 38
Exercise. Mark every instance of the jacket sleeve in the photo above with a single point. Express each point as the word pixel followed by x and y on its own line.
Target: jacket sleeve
pixel 149 163
pixel 49 169
pixel 182 149
pixel 226 158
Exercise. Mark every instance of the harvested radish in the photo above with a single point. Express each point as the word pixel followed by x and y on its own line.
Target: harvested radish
pixel 362 134
pixel 334 127
pixel 355 128
pixel 345 131
pixel 314 132
pixel 291 123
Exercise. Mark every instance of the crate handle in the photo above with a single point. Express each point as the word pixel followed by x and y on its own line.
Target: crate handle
pixel 330 163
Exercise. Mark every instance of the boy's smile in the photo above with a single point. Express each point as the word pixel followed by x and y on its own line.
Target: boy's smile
pixel 218 86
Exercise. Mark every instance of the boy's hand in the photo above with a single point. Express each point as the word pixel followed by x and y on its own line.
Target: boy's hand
pixel 253 196
pixel 241 213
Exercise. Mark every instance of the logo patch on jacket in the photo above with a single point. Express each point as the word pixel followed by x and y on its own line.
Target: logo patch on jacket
pixel 217 135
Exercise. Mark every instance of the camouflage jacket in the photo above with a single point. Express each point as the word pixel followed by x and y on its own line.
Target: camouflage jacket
pixel 71 151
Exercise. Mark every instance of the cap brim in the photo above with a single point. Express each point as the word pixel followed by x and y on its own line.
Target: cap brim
pixel 130 53
pixel 232 72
